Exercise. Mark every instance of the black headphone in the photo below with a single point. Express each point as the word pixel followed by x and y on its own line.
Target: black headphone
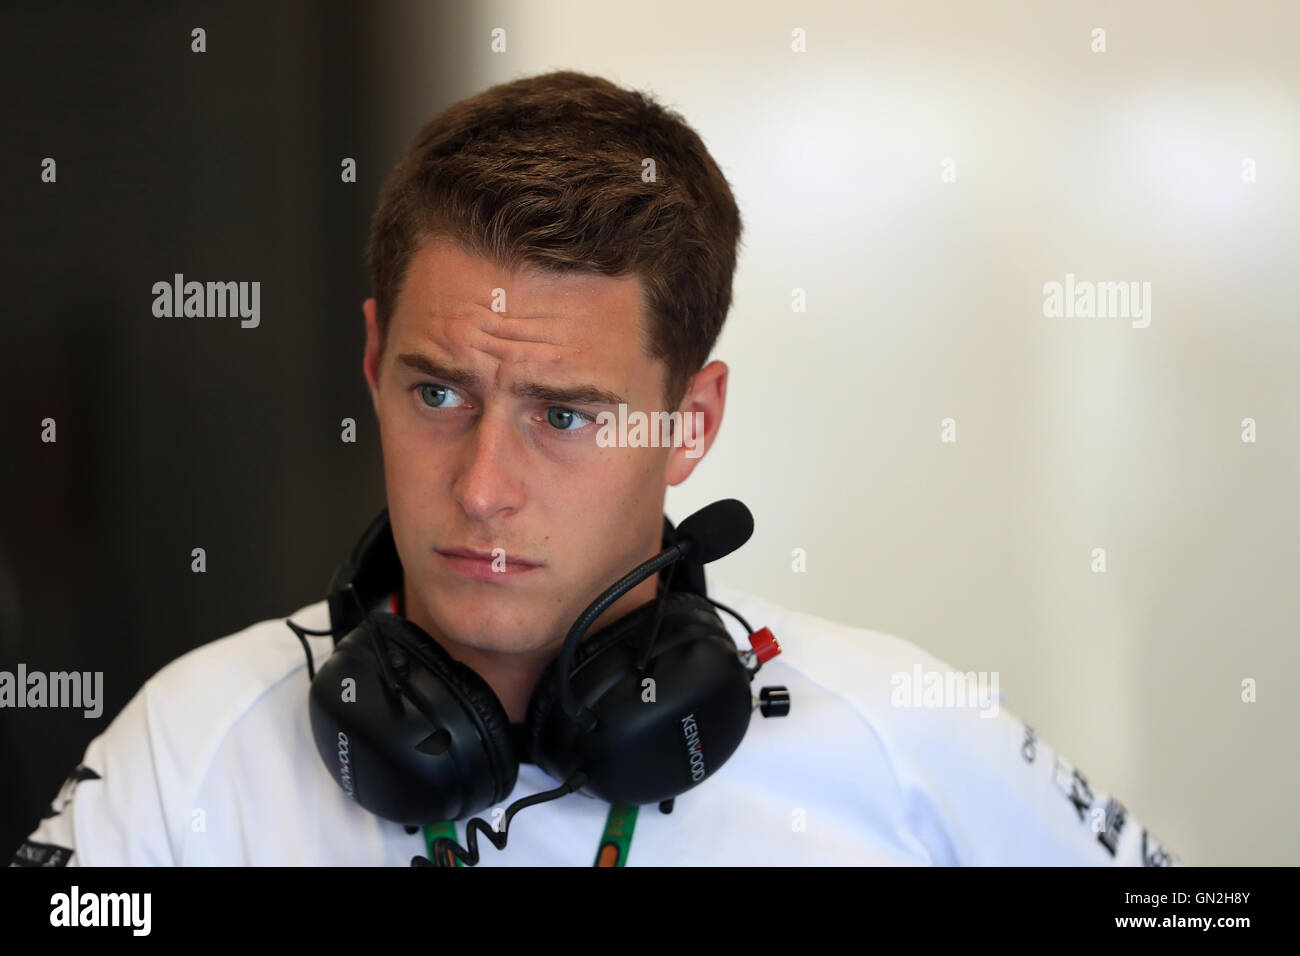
pixel 653 704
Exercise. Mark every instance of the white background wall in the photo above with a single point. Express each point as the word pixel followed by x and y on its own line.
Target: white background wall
pixel 925 301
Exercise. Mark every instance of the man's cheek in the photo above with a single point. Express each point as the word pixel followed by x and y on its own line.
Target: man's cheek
pixel 412 454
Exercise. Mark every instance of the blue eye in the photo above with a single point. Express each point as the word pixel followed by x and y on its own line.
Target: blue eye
pixel 434 395
pixel 562 417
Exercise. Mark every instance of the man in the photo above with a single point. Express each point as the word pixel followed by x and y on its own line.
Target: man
pixel 548 252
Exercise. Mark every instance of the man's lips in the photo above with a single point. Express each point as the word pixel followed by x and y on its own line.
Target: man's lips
pixel 484 567
pixel 487 556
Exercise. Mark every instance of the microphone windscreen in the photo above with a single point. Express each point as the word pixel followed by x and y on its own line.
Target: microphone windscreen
pixel 716 530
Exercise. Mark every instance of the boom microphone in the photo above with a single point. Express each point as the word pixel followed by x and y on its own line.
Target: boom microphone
pixel 716 530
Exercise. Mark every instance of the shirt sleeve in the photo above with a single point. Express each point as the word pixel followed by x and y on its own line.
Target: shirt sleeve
pixel 109 811
pixel 983 789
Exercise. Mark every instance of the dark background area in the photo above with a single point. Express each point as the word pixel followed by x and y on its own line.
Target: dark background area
pixel 183 432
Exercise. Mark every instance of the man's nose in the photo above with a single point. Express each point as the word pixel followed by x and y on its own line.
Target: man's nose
pixel 489 480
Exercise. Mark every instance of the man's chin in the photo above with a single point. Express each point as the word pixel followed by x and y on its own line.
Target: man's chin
pixel 496 641
pixel 490 623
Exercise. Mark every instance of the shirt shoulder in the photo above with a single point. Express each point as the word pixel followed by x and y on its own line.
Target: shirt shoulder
pixel 980 787
pixel 131 799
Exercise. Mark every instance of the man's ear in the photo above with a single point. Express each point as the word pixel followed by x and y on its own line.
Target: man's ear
pixel 701 409
pixel 370 358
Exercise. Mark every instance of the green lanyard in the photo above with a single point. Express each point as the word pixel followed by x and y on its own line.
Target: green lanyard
pixel 614 842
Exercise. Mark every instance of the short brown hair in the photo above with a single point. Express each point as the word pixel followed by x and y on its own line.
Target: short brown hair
pixel 547 171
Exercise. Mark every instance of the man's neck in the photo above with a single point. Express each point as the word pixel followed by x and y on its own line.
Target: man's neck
pixel 513 677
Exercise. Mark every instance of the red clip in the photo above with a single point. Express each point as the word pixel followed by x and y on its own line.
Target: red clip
pixel 764 645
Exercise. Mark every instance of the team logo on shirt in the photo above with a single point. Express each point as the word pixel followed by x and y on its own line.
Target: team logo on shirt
pixel 1106 820
pixel 32 853
pixel 35 853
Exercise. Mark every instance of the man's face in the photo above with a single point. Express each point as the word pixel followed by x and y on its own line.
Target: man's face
pixel 478 456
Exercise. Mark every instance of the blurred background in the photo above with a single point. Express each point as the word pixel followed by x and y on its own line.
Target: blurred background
pixel 915 176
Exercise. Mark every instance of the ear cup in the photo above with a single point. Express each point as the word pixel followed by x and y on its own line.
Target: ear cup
pixel 647 748
pixel 546 693
pixel 386 752
pixel 479 697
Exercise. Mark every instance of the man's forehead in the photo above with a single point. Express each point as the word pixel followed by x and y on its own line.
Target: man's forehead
pixel 455 330
pixel 459 308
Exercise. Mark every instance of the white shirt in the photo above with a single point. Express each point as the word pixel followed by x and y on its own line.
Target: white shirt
pixel 213 762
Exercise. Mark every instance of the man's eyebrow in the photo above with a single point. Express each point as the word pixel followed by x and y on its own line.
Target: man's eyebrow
pixel 561 395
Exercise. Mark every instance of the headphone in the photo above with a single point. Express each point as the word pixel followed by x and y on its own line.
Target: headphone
pixel 648 707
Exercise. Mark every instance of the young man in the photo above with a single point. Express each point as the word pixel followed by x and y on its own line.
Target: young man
pixel 550 250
